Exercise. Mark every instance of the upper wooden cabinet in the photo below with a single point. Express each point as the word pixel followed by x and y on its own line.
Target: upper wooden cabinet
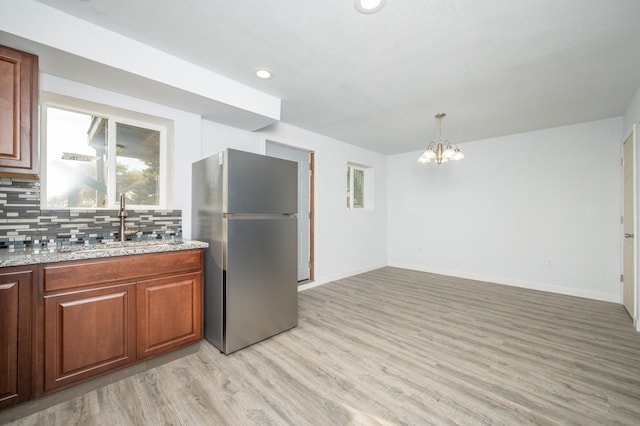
pixel 19 150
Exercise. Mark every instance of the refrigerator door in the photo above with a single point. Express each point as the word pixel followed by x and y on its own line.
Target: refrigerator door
pixel 207 225
pixel 260 286
pixel 257 184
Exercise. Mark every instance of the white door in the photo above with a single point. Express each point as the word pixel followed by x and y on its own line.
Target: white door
pixel 628 221
pixel 302 158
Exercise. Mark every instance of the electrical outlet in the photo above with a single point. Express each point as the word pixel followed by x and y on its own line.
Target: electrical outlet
pixel 549 262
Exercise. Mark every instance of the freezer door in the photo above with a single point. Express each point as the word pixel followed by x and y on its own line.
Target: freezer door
pixel 257 184
pixel 260 287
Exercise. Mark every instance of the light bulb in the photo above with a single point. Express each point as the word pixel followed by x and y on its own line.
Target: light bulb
pixel 427 156
pixel 458 154
pixel 263 73
pixel 448 152
pixel 368 6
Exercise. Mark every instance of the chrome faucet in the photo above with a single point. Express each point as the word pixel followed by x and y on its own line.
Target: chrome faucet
pixel 122 214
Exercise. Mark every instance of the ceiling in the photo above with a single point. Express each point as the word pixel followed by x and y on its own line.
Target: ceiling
pixel 496 67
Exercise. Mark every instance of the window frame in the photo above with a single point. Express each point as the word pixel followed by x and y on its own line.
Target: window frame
pixel 113 115
pixel 351 186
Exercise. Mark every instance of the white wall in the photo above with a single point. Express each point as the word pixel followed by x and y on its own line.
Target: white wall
pixel 216 137
pixel 346 241
pixel 498 215
pixel 513 203
pixel 632 114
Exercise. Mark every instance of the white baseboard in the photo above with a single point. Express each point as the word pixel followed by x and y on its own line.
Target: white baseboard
pixel 569 291
pixel 331 278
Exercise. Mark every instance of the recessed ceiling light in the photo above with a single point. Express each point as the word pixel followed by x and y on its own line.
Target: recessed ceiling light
pixel 263 73
pixel 368 6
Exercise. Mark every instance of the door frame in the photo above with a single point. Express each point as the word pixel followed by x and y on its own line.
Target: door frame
pixel 312 214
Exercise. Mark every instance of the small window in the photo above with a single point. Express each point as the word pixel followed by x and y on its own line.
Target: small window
pixel 355 187
pixel 92 158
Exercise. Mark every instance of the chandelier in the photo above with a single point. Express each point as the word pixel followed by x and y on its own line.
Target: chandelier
pixel 440 151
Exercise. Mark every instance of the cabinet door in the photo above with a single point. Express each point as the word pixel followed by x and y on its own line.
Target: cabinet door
pixel 87 333
pixel 18 112
pixel 15 337
pixel 169 313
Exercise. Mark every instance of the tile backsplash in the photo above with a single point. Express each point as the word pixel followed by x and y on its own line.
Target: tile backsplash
pixel 23 223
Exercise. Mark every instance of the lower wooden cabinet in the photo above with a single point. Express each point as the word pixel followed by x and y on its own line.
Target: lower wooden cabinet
pixel 15 335
pixel 103 314
pixel 88 332
pixel 169 313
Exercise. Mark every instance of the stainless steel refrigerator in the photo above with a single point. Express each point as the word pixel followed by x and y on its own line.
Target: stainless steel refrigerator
pixel 244 205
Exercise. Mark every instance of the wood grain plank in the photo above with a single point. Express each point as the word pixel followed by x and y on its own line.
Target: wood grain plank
pixel 394 346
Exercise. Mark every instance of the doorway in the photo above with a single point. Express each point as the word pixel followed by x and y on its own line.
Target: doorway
pixel 305 204
pixel 628 225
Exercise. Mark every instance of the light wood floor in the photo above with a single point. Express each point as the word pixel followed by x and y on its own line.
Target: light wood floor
pixel 397 347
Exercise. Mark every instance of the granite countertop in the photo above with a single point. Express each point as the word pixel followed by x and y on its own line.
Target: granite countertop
pixel 36 255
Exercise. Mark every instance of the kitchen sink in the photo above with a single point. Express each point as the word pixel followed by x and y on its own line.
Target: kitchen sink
pixel 115 245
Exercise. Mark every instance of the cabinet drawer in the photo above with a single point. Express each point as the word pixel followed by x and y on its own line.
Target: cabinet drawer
pixel 99 271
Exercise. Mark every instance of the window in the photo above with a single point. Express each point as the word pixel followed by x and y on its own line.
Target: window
pixel 355 187
pixel 91 158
